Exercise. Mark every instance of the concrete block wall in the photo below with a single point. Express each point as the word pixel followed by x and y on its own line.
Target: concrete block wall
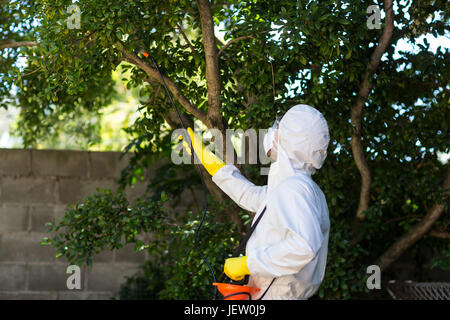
pixel 37 185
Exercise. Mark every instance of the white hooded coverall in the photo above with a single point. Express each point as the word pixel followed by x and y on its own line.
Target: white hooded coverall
pixel 290 242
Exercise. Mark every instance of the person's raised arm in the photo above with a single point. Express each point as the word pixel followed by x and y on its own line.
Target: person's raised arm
pixel 227 177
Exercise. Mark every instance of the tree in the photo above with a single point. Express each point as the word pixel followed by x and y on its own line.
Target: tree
pixel 387 110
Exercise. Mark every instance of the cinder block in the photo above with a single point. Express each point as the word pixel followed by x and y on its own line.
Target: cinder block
pixel 13 218
pixel 61 163
pixel 53 277
pixel 72 191
pixel 71 295
pixel 108 276
pixel 104 277
pixel 40 215
pixel 105 255
pixel 136 191
pixel 12 277
pixel 27 295
pixel 28 190
pixel 101 296
pixel 60 211
pixel 107 164
pixel 90 187
pixel 127 254
pixel 14 162
pixel 25 247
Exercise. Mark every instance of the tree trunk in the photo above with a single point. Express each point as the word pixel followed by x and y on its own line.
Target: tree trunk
pixel 417 232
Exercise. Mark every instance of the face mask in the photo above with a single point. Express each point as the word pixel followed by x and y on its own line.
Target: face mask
pixel 269 138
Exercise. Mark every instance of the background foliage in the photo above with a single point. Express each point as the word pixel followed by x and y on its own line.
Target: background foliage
pixel 312 52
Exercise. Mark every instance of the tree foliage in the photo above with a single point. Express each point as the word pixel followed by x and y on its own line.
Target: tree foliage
pixel 273 55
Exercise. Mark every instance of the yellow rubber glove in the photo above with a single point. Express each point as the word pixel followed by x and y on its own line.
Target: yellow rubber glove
pixel 236 268
pixel 209 160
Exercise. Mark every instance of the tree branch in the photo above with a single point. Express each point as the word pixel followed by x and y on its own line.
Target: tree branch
pixel 14 44
pixel 418 231
pixel 172 119
pixel 153 73
pixel 186 38
pixel 212 65
pixel 238 39
pixel 356 111
pixel 439 234
pixel 32 72
pixel 402 218
pixel 233 41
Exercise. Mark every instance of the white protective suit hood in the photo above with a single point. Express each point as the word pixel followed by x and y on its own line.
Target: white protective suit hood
pixel 303 139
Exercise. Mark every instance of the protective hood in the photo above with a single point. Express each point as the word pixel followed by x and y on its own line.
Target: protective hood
pixel 303 139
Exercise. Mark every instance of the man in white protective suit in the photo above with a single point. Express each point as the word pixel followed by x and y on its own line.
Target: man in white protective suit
pixel 287 253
